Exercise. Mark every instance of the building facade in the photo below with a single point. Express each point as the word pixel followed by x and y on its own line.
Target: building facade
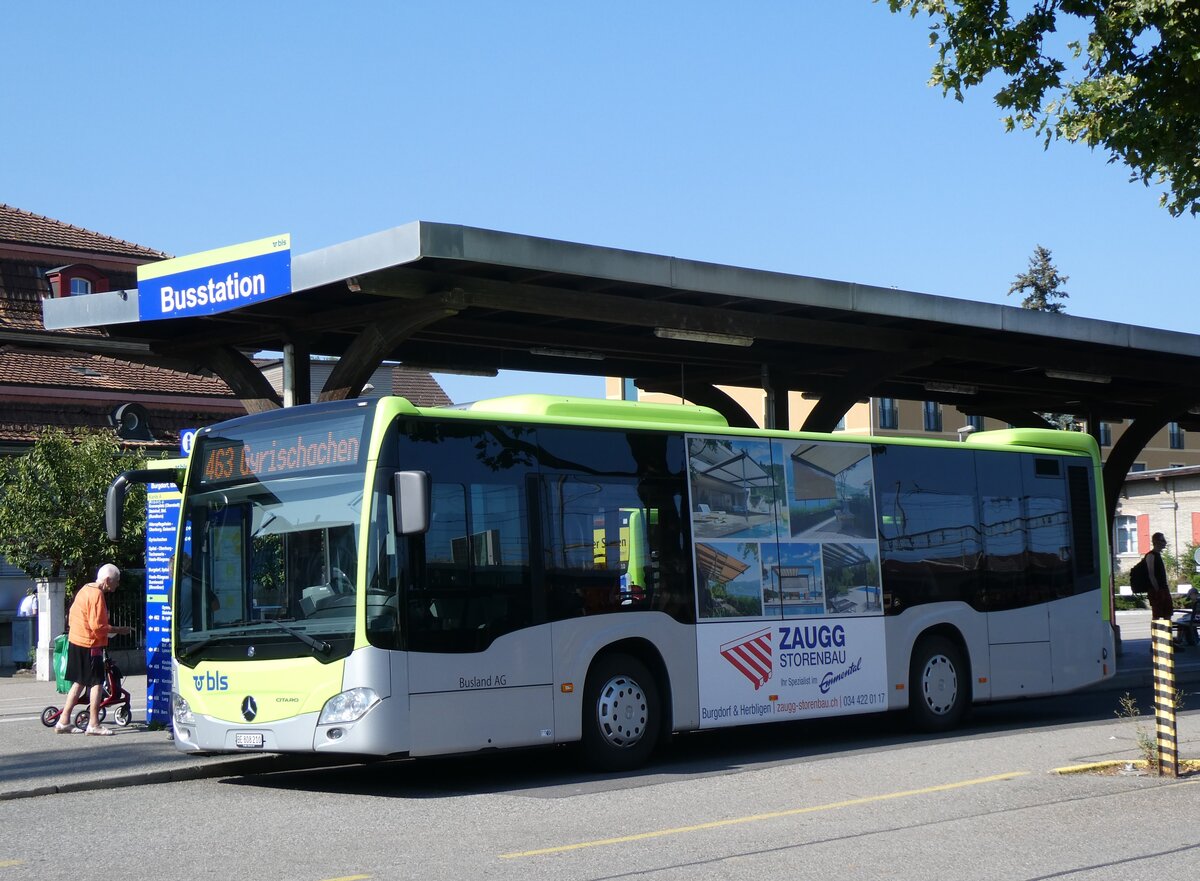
pixel 1162 500
pixel 65 379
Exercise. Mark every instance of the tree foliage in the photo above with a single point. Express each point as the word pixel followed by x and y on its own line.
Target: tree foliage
pixel 1132 87
pixel 1041 284
pixel 52 507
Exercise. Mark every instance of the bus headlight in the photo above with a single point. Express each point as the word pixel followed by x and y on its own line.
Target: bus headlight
pixel 181 711
pixel 349 706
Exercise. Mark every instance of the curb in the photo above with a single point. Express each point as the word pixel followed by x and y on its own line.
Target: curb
pixel 1100 766
pixel 227 768
pixel 1187 767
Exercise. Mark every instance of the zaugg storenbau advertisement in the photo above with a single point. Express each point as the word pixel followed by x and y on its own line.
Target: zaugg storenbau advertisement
pixel 788 585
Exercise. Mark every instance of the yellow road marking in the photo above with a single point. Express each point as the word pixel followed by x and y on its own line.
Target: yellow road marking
pixel 7 864
pixel 350 878
pixel 755 818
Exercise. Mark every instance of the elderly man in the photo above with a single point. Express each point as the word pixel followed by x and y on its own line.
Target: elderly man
pixel 86 638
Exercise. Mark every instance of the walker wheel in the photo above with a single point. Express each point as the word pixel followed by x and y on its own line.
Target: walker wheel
pixel 123 715
pixel 81 719
pixel 50 716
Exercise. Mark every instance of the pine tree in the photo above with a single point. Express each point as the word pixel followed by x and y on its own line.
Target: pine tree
pixel 1041 284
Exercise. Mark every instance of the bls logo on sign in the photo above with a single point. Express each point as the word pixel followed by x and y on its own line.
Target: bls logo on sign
pixel 211 682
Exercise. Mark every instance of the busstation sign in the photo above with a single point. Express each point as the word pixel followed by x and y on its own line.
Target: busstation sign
pixel 215 281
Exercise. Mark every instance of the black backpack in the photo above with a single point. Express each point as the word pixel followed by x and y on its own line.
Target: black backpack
pixel 1139 577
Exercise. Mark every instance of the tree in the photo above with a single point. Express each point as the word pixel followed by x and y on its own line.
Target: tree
pixel 1132 87
pixel 1041 284
pixel 52 507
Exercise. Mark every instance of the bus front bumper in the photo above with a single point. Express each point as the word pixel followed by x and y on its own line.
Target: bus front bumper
pixel 368 735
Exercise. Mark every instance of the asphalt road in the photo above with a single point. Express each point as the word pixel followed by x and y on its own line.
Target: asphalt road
pixel 855 798
pixel 858 797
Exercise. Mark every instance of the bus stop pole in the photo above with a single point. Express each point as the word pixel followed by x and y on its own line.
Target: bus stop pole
pixel 1163 653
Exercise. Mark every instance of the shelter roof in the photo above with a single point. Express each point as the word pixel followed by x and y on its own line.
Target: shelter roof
pixel 454 297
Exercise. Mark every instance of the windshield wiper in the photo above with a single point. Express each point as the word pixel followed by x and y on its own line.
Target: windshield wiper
pixel 318 645
pixel 193 649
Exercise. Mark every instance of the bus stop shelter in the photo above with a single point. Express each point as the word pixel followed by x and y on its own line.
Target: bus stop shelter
pixel 444 297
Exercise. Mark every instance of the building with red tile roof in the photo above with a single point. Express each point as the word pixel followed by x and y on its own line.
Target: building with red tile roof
pixel 62 378
pixel 79 378
pixel 65 379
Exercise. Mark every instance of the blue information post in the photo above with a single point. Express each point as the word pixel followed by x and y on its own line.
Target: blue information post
pixel 162 523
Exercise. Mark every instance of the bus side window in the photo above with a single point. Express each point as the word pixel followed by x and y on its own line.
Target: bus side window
pixel 627 488
pixel 471 581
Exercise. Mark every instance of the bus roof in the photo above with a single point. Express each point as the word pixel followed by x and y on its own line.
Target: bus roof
pixel 690 417
pixel 628 413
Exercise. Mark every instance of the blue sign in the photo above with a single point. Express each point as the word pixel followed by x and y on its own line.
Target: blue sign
pixel 162 524
pixel 215 281
pixel 187 437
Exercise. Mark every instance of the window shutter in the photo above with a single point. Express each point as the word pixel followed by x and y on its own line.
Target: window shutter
pixel 1196 527
pixel 1143 521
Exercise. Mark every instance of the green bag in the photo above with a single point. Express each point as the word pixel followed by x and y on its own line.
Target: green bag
pixel 60 664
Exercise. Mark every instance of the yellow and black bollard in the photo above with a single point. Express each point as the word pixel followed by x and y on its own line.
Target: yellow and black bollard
pixel 1163 654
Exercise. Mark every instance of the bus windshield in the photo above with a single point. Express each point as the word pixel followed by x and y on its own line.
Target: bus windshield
pixel 271 518
pixel 266 554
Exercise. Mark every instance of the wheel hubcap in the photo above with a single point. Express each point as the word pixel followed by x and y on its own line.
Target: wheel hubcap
pixel 939 685
pixel 621 711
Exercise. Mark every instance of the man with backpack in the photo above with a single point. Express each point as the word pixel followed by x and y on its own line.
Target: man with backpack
pixel 1161 605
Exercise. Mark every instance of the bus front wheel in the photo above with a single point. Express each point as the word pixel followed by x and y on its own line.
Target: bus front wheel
pixel 622 713
pixel 938 688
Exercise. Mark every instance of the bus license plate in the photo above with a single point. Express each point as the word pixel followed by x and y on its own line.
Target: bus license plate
pixel 248 741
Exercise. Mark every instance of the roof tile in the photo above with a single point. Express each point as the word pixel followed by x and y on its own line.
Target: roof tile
pixel 79 370
pixel 419 387
pixel 26 422
pixel 27 228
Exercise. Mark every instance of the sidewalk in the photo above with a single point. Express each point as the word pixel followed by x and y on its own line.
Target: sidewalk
pixel 36 761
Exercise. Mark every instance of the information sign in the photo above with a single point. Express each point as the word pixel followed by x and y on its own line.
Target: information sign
pixel 215 281
pixel 162 522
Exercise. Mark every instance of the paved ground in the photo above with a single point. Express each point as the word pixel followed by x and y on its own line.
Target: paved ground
pixel 34 760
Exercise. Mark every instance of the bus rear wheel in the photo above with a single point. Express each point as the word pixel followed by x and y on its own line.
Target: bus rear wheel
pixel 622 713
pixel 938 688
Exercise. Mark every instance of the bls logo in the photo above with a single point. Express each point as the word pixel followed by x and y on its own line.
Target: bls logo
pixel 211 682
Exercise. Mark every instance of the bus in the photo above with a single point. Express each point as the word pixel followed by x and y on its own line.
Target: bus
pixel 370 578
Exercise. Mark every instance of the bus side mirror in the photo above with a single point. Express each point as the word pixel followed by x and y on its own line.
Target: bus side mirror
pixel 410 498
pixel 114 499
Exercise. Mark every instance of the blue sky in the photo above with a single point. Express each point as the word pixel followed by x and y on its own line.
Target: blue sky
pixel 798 137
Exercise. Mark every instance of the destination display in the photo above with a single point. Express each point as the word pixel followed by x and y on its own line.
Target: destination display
pixel 789 597
pixel 333 445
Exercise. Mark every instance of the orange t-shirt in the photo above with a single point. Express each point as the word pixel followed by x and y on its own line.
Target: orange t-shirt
pixel 89 617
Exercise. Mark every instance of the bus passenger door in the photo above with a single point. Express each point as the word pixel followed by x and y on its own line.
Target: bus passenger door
pixel 1017 615
pixel 479 652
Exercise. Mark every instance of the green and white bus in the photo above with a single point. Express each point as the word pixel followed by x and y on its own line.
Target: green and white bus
pixel 376 579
